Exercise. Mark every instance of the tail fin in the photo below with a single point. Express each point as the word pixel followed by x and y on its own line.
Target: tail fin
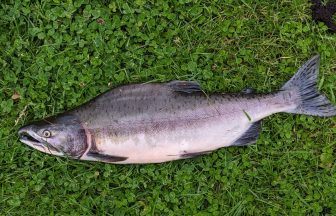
pixel 304 82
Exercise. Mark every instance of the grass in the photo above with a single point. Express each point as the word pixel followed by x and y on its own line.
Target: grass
pixel 55 56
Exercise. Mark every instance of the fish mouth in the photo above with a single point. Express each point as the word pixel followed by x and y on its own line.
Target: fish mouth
pixel 31 139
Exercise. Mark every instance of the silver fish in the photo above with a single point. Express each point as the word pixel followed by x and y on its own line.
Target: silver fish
pixel 154 123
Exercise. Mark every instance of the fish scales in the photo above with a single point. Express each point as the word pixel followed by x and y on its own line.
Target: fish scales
pixel 158 121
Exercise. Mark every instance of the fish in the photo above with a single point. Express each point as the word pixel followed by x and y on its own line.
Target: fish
pixel 160 122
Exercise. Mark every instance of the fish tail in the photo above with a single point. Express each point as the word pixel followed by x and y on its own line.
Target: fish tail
pixel 304 83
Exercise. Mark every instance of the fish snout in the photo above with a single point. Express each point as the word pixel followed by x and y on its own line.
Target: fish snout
pixel 27 135
pixel 24 131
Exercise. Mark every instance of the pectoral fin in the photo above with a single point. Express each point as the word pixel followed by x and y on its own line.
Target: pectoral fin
pixel 105 158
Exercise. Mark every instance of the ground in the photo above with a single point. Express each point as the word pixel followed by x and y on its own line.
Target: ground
pixel 55 56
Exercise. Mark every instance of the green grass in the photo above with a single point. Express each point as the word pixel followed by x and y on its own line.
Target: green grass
pixel 57 56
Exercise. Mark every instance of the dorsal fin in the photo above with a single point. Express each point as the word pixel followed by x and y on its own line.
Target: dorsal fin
pixel 250 136
pixel 248 91
pixel 184 86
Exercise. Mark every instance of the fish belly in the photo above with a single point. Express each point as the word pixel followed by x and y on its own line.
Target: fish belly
pixel 167 145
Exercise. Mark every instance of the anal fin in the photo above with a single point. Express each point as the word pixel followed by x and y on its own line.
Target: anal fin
pixel 250 136
pixel 194 154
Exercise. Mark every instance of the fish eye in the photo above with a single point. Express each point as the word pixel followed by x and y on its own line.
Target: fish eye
pixel 46 133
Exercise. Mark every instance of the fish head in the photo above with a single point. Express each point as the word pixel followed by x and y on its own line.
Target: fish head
pixel 61 135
